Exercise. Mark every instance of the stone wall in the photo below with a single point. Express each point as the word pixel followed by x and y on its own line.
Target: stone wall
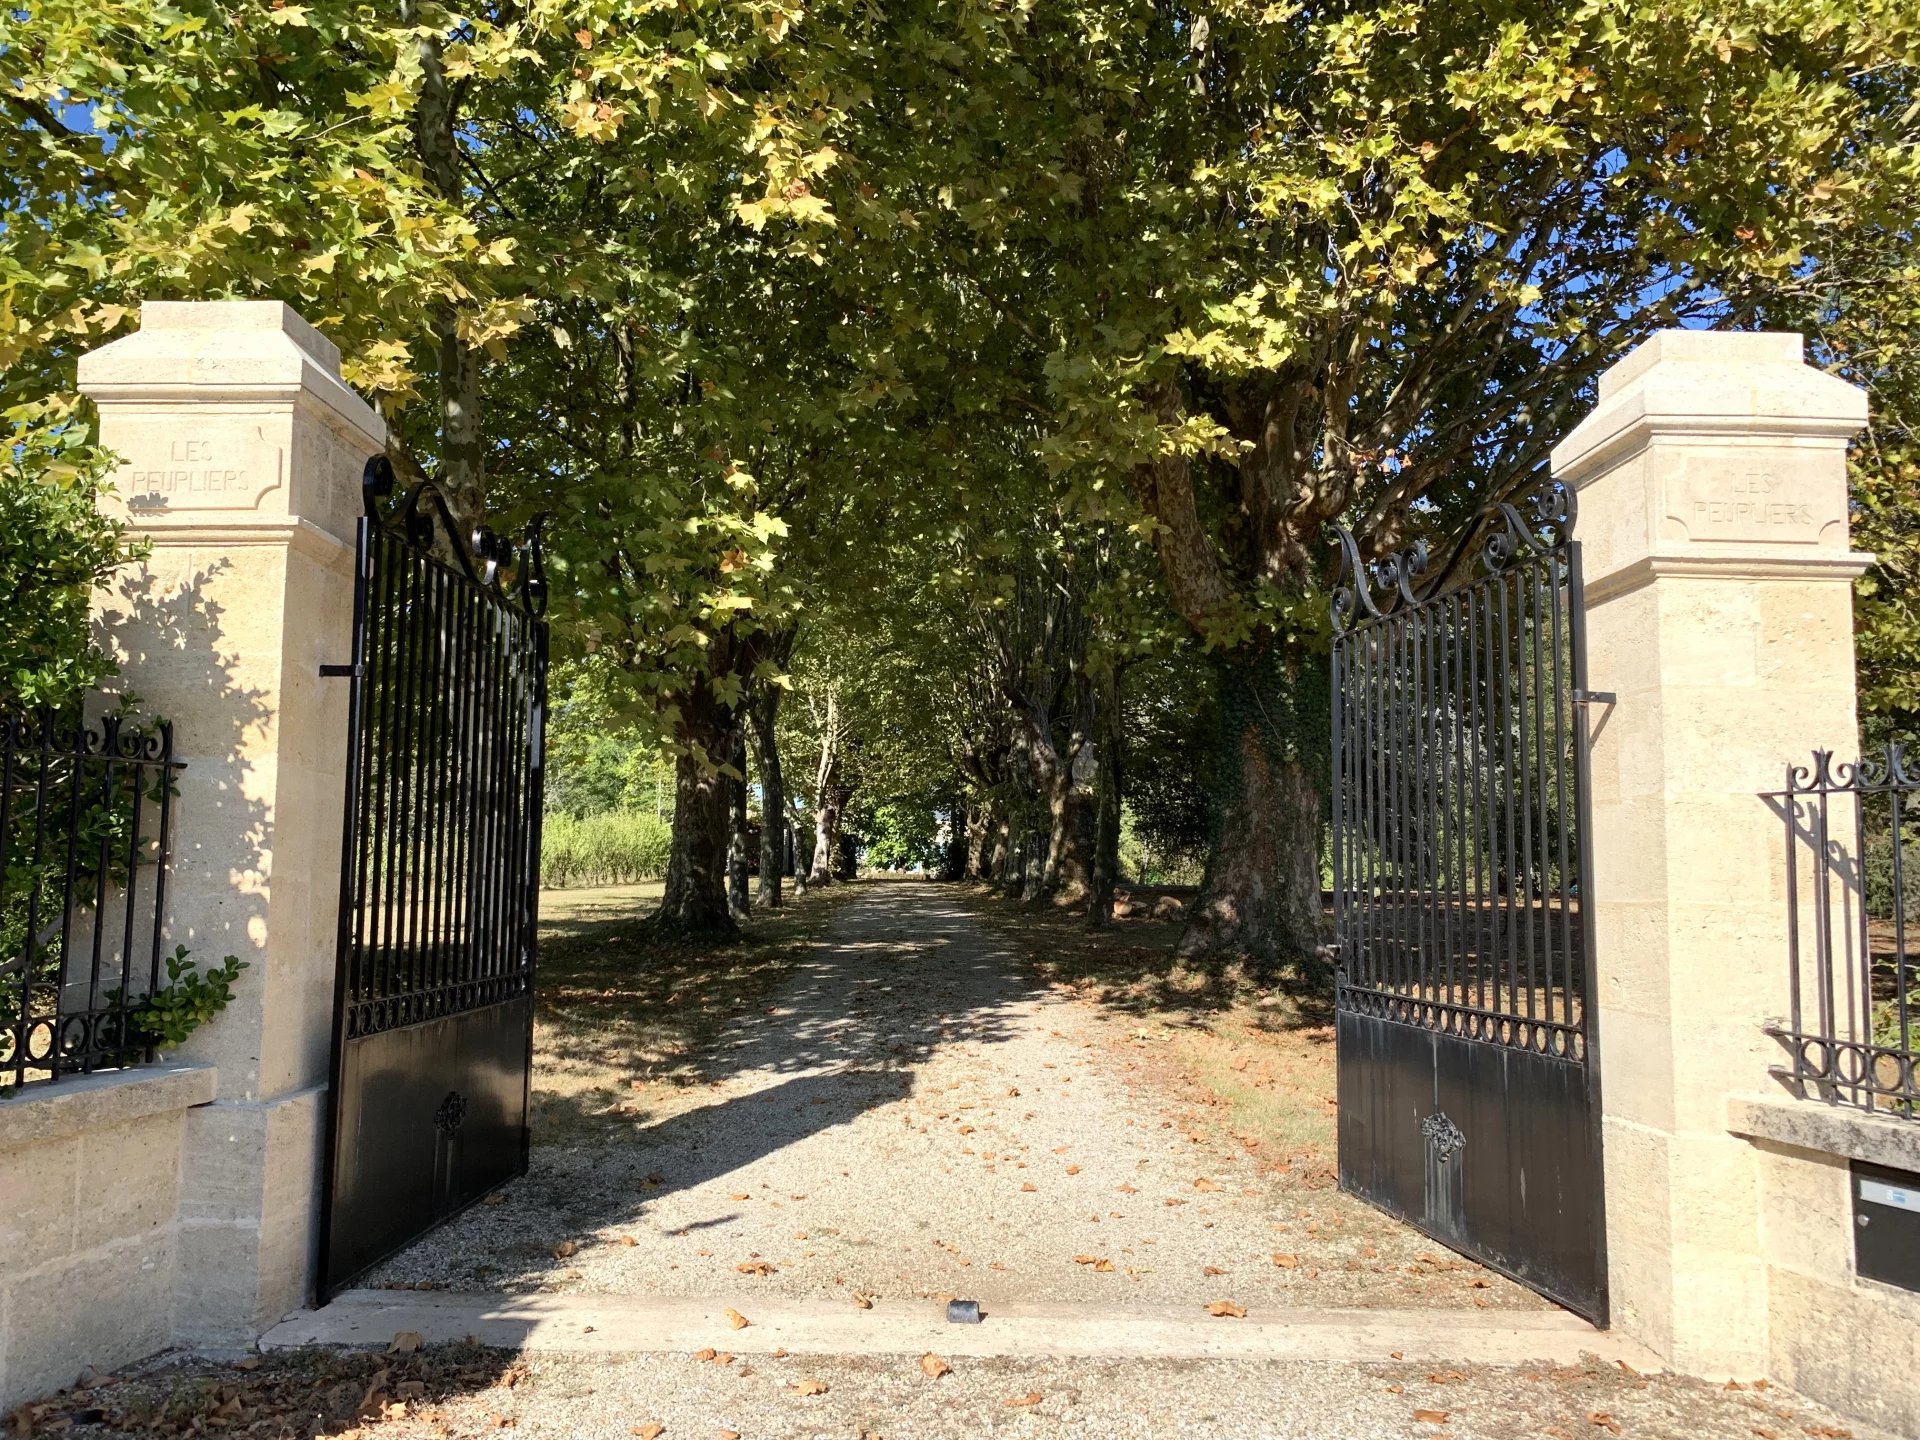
pixel 90 1222
pixel 1713 521
pixel 180 1206
pixel 1831 1334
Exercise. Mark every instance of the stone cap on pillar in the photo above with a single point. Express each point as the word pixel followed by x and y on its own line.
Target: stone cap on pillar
pixel 1714 452
pixel 230 410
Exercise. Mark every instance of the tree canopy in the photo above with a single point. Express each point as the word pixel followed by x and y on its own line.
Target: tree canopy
pixel 990 370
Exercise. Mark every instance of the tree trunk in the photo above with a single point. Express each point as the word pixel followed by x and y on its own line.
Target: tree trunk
pixel 737 903
pixel 1106 824
pixel 1063 781
pixel 829 797
pixel 979 837
pixel 1000 851
pixel 1260 897
pixel 1068 876
pixel 775 855
pixel 696 890
pixel 953 863
pixel 827 805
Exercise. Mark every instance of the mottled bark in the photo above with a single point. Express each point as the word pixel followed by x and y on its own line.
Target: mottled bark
pixel 980 827
pixel 737 903
pixel 1000 851
pixel 695 901
pixel 1067 877
pixel 1260 897
pixel 828 803
pixel 1106 822
pixel 775 851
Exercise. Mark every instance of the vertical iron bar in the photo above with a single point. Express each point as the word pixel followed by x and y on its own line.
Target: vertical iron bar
pixel 1487 867
pixel 76 777
pixel 109 740
pixel 435 776
pixel 1791 808
pixel 12 736
pixel 361 698
pixel 460 683
pixel 1822 917
pixel 389 844
pixel 1900 1002
pixel 396 986
pixel 1533 726
pixel 1509 803
pixel 1342 828
pixel 1860 796
pixel 499 682
pixel 1590 1030
pixel 139 770
pixel 1563 886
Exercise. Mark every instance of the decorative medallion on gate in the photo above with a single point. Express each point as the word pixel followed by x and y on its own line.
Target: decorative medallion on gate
pixel 439 881
pixel 1443 1136
pixel 1460 877
pixel 452 1111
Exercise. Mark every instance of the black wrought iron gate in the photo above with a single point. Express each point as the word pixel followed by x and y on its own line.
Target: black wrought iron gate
pixel 433 1010
pixel 1468 1080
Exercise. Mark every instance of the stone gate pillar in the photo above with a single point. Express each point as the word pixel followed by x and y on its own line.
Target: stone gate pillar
pixel 241 453
pixel 1713 521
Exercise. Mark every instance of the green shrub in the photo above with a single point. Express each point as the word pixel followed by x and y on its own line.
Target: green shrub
pixel 1878 865
pixel 614 847
pixel 187 1001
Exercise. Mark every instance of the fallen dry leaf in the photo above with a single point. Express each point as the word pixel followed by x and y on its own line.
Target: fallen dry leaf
pixel 810 1387
pixel 1604 1421
pixel 1073 1169
pixel 1205 1185
pixel 1212 1270
pixel 1226 1308
pixel 754 1267
pixel 729 1435
pixel 405 1342
pixel 1029 1188
pixel 736 1319
pixel 1432 1417
pixel 628 1240
pixel 565 1249
pixel 706 1354
pixel 652 1430
pixel 1286 1262
pixel 1032 1397
pixel 934 1367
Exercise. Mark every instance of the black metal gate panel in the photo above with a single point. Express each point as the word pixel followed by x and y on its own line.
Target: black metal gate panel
pixel 433 1008
pixel 1468 1080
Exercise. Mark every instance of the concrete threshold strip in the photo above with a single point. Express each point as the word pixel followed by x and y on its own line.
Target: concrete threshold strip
pixel 632 1324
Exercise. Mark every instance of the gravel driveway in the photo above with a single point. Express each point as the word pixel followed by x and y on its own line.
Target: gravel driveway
pixel 916 1115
